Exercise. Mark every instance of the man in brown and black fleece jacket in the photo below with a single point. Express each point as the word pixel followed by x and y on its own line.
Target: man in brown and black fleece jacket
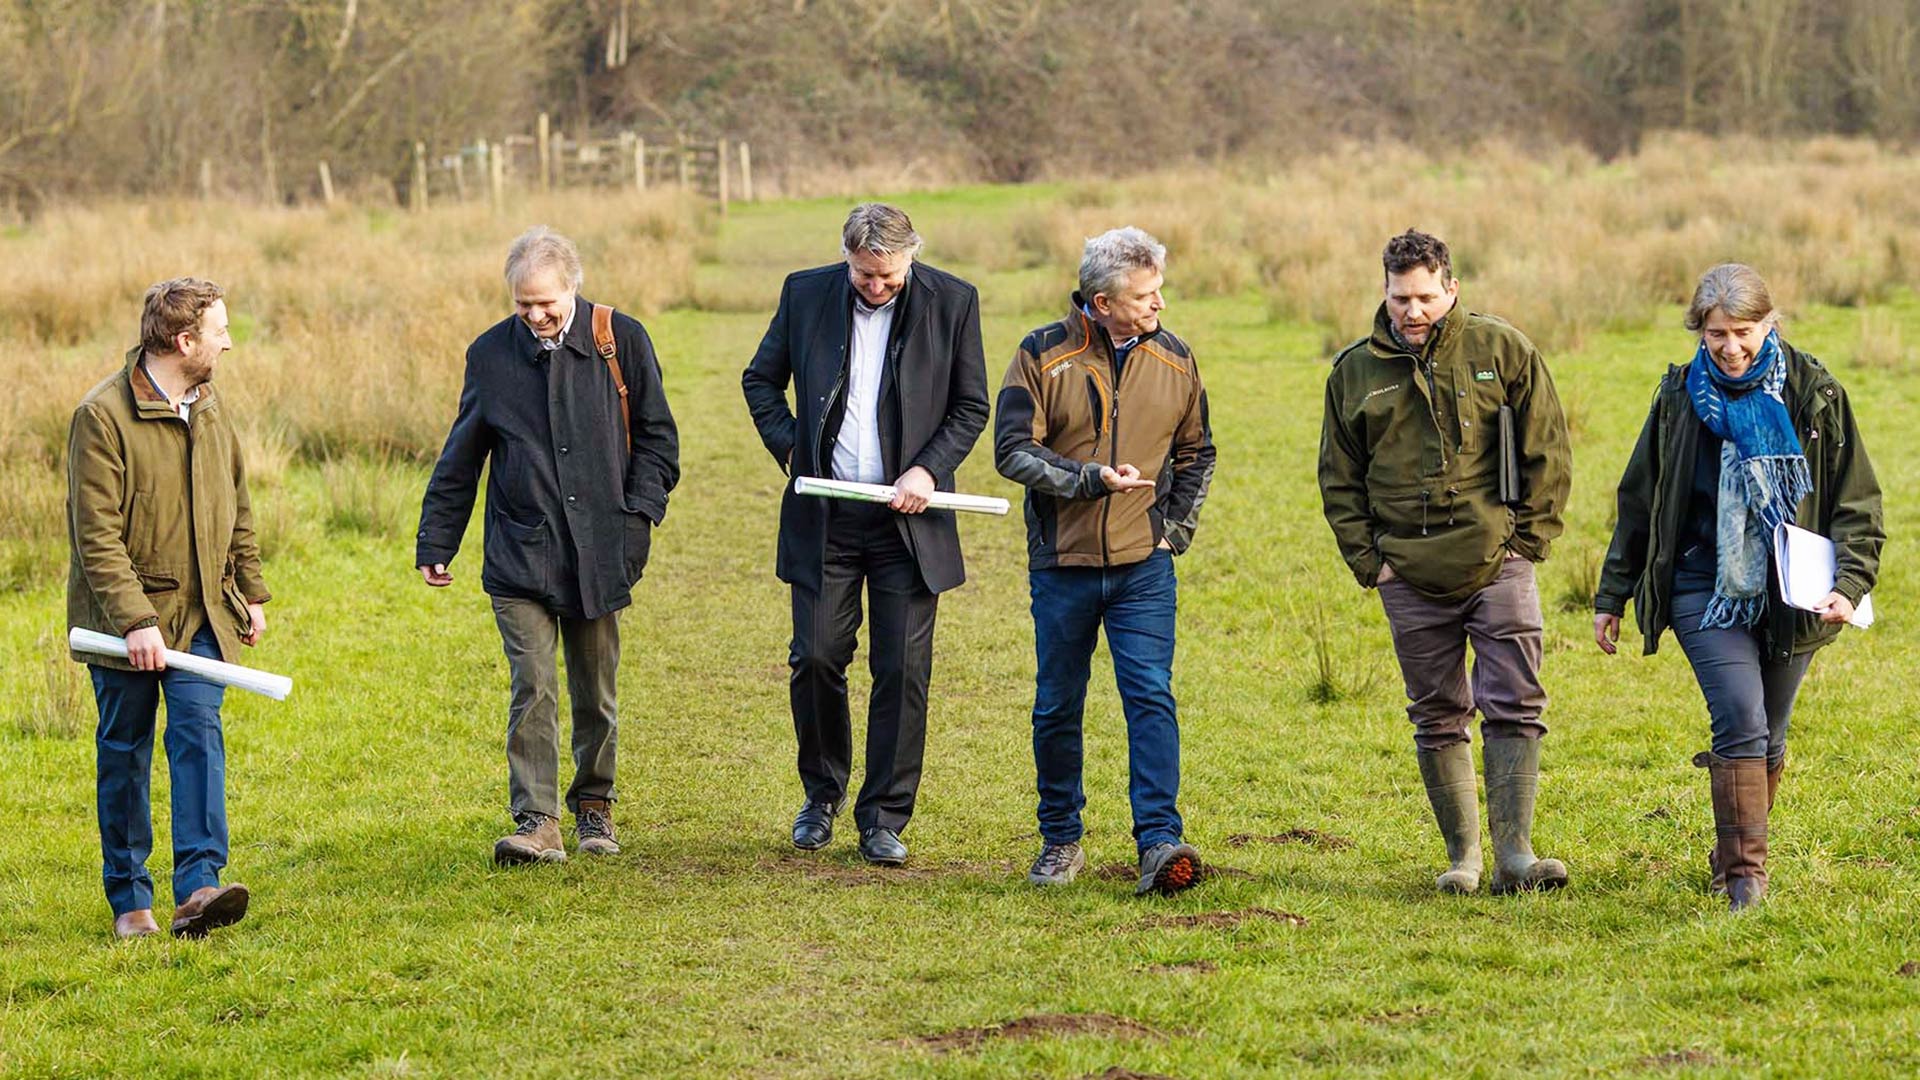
pixel 1103 419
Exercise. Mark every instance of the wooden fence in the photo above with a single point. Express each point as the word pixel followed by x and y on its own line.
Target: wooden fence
pixel 720 169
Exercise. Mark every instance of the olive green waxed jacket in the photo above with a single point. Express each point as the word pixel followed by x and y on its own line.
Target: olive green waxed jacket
pixel 1652 505
pixel 158 518
pixel 1410 454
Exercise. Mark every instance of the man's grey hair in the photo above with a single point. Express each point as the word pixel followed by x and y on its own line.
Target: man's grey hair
pixel 1110 258
pixel 879 229
pixel 541 248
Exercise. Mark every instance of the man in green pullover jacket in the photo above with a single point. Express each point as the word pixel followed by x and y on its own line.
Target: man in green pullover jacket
pixel 1411 465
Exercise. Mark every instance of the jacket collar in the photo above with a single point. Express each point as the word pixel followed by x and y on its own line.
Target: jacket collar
pixel 578 337
pixel 1083 330
pixel 149 401
pixel 1384 343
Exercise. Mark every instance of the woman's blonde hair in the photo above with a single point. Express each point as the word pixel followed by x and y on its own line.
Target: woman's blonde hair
pixel 1735 288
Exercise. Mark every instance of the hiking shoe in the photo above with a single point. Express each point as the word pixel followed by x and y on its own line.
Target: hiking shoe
pixel 593 828
pixel 1057 864
pixel 537 840
pixel 1167 869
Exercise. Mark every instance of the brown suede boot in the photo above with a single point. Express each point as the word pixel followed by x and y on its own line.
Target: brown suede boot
pixel 1448 774
pixel 537 840
pixel 1717 884
pixel 1740 826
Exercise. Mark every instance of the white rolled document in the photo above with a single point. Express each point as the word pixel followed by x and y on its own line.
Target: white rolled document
pixel 884 493
pixel 274 686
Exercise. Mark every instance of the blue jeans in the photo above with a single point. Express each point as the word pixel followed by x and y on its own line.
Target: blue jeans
pixel 1136 604
pixel 1749 698
pixel 196 764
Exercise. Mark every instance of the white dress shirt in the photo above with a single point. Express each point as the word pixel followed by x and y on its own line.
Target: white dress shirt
pixel 856 450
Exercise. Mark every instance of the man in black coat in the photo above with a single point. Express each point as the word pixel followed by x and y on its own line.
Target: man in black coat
pixel 583 452
pixel 890 387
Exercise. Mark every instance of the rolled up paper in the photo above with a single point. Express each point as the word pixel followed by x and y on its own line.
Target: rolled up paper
pixel 265 683
pixel 884 493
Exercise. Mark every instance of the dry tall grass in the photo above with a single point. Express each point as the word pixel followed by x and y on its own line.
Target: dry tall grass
pixel 1562 245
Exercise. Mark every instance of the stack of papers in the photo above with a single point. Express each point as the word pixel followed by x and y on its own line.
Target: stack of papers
pixel 1805 564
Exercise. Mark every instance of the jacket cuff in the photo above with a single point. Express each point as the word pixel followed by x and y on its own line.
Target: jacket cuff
pixel 1530 548
pixel 433 556
pixel 1366 568
pixel 1851 587
pixel 151 620
pixel 1091 486
pixel 1609 605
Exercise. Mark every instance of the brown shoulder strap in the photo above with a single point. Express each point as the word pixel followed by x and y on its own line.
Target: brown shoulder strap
pixel 603 341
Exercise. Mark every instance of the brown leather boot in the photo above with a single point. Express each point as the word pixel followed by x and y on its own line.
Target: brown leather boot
pixel 210 908
pixel 1717 884
pixel 593 828
pixel 537 840
pixel 135 924
pixel 1740 826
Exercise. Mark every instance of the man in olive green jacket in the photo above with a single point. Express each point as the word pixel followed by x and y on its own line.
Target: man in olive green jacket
pixel 164 555
pixel 1411 478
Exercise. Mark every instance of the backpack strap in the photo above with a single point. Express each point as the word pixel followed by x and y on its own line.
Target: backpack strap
pixel 603 341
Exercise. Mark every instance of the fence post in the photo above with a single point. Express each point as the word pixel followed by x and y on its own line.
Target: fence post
pixel 206 178
pixel 417 197
pixel 746 172
pixel 639 164
pixel 497 174
pixel 326 183
pixel 546 155
pixel 683 161
pixel 720 167
pixel 460 174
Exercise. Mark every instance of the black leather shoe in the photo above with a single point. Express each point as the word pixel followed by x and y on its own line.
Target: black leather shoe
pixel 813 826
pixel 882 847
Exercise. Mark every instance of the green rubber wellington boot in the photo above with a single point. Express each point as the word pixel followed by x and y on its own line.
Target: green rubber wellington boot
pixel 1448 773
pixel 1513 779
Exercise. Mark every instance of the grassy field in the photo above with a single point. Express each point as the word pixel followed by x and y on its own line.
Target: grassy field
pixel 383 942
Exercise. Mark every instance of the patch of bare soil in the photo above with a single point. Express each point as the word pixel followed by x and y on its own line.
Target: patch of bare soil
pixel 1222 920
pixel 1185 967
pixel 1118 1073
pixel 1677 1059
pixel 1045 1025
pixel 1309 837
pixel 1910 969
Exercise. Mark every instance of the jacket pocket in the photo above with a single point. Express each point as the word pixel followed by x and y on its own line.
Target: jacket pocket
pixel 156 581
pixel 518 558
pixel 637 542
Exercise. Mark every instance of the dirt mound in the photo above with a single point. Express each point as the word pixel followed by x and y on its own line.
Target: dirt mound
pixel 1045 1025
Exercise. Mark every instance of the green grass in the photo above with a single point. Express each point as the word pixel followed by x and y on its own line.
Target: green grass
pixel 383 942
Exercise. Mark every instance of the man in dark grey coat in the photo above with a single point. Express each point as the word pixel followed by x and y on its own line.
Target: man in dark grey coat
pixel 569 410
pixel 890 387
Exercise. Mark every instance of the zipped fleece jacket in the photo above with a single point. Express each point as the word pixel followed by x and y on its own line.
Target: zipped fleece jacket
pixel 1064 412
pixel 1410 454
pixel 1843 506
pixel 158 518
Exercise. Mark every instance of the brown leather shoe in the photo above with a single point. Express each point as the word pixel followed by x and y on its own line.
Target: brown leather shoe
pixel 593 828
pixel 135 924
pixel 210 908
pixel 537 840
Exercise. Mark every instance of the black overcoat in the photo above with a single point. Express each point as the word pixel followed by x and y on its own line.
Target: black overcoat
pixel 933 405
pixel 570 510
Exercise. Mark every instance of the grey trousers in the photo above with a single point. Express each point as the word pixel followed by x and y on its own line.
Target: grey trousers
pixel 1749 699
pixel 1430 637
pixel 529 633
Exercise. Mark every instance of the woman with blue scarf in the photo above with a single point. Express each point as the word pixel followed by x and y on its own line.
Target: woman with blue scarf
pixel 1750 434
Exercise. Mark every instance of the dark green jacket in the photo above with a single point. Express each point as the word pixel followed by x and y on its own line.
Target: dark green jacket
pixel 1410 452
pixel 158 518
pixel 1844 506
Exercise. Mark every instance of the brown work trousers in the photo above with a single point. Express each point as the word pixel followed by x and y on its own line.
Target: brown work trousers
pixel 1430 637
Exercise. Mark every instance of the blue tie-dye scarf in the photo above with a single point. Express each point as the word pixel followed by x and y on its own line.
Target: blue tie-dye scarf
pixel 1763 475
